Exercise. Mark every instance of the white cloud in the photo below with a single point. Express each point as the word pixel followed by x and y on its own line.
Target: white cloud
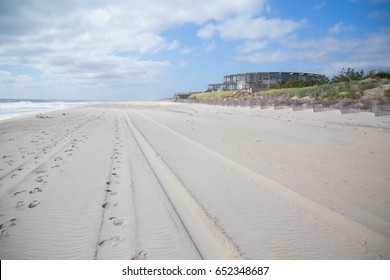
pixel 96 42
pixel 372 52
pixel 329 53
pixel 208 31
pixel 278 55
pixel 182 64
pixel 101 16
pixel 340 27
pixel 245 28
pixel 185 50
pixel 329 44
pixel 251 46
pixel 100 43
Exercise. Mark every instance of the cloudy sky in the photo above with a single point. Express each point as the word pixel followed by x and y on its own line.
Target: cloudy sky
pixel 149 49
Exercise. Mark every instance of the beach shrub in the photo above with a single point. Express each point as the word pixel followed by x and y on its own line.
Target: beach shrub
pixel 352 95
pixel 374 74
pixel 322 79
pixel 368 84
pixel 332 93
pixel 347 75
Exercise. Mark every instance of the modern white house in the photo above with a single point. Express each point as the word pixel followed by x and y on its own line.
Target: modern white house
pixel 260 80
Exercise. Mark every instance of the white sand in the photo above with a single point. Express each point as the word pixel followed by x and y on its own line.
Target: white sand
pixel 179 181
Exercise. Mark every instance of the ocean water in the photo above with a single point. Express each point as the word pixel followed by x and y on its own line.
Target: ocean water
pixel 10 108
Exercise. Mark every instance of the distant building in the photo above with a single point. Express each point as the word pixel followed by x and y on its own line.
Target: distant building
pixel 260 80
pixel 216 87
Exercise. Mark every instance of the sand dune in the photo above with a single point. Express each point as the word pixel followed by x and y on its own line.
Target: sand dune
pixel 147 180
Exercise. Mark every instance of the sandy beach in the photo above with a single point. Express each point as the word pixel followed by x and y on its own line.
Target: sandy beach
pixel 160 180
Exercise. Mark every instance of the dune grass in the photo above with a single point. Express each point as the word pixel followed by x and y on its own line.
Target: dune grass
pixel 351 90
pixel 213 95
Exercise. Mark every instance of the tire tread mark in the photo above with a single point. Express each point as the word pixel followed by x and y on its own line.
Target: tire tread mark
pixel 370 239
pixel 210 242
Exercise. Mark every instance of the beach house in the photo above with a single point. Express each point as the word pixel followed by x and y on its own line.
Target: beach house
pixel 259 80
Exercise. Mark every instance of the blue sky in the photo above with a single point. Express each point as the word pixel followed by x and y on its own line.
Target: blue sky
pixel 150 49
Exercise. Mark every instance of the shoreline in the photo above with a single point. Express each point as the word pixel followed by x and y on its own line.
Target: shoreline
pixel 15 108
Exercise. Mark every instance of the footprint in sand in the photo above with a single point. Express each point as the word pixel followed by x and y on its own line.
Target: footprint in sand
pixel 8 224
pixel 110 192
pixel 40 179
pixel 33 204
pixel 116 240
pixel 20 205
pixel 140 256
pixel 5 228
pixel 4 234
pixel 112 241
pixel 107 205
pixel 104 242
pixel 36 190
pixel 116 221
pixel 19 193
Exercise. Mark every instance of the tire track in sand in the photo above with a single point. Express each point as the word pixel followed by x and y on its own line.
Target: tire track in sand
pixel 210 242
pixel 158 231
pixel 370 239
pixel 137 221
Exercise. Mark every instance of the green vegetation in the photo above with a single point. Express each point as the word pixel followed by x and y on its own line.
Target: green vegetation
pixel 378 74
pixel 337 90
pixel 348 83
pixel 213 95
pixel 328 91
pixel 348 75
pixel 299 84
